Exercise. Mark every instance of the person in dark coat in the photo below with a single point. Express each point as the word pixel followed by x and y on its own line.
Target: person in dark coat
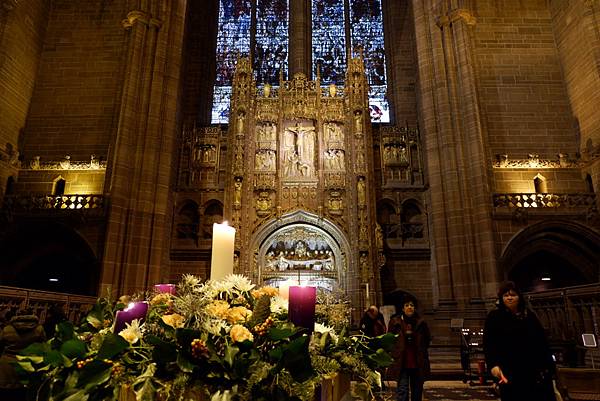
pixel 22 330
pixel 516 349
pixel 411 351
pixel 372 322
pixel 55 316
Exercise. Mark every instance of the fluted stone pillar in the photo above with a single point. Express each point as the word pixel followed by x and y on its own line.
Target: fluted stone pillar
pixel 462 236
pixel 136 253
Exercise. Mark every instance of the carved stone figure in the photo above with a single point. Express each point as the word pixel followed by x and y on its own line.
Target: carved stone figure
pixel 94 162
pixel 65 163
pixel 333 132
pixel 237 192
pixel 332 90
pixel 299 142
pixel 240 123
pixel 358 123
pixel 361 191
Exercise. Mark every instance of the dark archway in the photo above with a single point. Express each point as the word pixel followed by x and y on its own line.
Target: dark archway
pixel 48 257
pixel 552 254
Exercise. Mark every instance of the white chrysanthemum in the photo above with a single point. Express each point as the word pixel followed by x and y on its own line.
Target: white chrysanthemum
pixel 323 330
pixel 214 326
pixel 132 333
pixel 279 305
pixel 240 282
pixel 189 280
pixel 221 286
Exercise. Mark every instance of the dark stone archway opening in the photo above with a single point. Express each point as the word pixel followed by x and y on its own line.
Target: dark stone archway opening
pixel 48 257
pixel 552 254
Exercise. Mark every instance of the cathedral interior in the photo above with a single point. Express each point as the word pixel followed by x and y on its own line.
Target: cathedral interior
pixel 381 147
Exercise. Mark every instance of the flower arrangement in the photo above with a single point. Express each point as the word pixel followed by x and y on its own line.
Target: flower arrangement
pixel 223 340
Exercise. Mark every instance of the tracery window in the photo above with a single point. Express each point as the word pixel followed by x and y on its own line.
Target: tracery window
pixel 260 25
pixel 339 27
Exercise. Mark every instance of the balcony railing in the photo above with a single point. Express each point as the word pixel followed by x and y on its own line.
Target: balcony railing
pixel 74 306
pixel 544 200
pixel 36 203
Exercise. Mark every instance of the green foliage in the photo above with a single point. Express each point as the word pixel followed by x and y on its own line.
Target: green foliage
pixel 218 338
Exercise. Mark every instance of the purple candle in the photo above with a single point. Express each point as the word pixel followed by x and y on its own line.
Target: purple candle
pixel 135 310
pixel 168 288
pixel 302 306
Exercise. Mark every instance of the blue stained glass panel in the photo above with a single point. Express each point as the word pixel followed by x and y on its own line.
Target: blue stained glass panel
pixel 329 40
pixel 233 39
pixel 366 34
pixel 271 51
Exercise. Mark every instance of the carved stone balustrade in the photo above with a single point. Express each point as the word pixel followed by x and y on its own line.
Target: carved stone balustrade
pixel 88 203
pixel 544 200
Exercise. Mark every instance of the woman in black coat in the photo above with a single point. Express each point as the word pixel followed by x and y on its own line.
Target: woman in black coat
pixel 411 356
pixel 516 349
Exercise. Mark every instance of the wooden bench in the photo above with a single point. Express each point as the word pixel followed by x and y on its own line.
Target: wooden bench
pixel 577 384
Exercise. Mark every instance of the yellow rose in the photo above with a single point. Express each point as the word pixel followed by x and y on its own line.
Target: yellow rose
pixel 162 298
pixel 268 291
pixel 238 314
pixel 218 309
pixel 174 320
pixel 239 333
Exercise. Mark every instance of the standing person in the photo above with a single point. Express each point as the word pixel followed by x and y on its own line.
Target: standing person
pixel 516 349
pixel 411 356
pixel 372 322
pixel 22 330
pixel 54 316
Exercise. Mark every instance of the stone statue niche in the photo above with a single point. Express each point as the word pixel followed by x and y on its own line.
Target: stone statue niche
pixel 298 155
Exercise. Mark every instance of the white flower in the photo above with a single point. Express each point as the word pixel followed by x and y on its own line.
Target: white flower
pixel 324 330
pixel 214 326
pixel 189 280
pixel 240 282
pixel 221 286
pixel 133 332
pixel 279 305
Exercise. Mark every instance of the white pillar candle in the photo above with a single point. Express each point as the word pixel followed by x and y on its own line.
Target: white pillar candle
pixel 284 288
pixel 221 264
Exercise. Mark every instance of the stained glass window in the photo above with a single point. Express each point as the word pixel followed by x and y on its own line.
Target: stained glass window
pixel 271 50
pixel 366 33
pixel 233 39
pixel 329 40
pixel 335 29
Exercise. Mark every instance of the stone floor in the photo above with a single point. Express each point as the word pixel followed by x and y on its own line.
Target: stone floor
pixel 457 390
pixel 441 390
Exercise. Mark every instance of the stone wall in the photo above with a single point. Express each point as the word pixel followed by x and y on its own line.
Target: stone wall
pixel 525 104
pixel 76 97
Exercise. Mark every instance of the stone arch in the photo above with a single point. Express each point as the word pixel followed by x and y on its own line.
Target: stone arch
pixel 48 256
pixel 412 218
pixel 388 218
pixel 187 220
pixel 211 212
pixel 322 228
pixel 565 251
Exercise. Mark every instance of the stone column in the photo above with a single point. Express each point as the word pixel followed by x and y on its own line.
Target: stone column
pixel 139 177
pixel 462 238
pixel 300 42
